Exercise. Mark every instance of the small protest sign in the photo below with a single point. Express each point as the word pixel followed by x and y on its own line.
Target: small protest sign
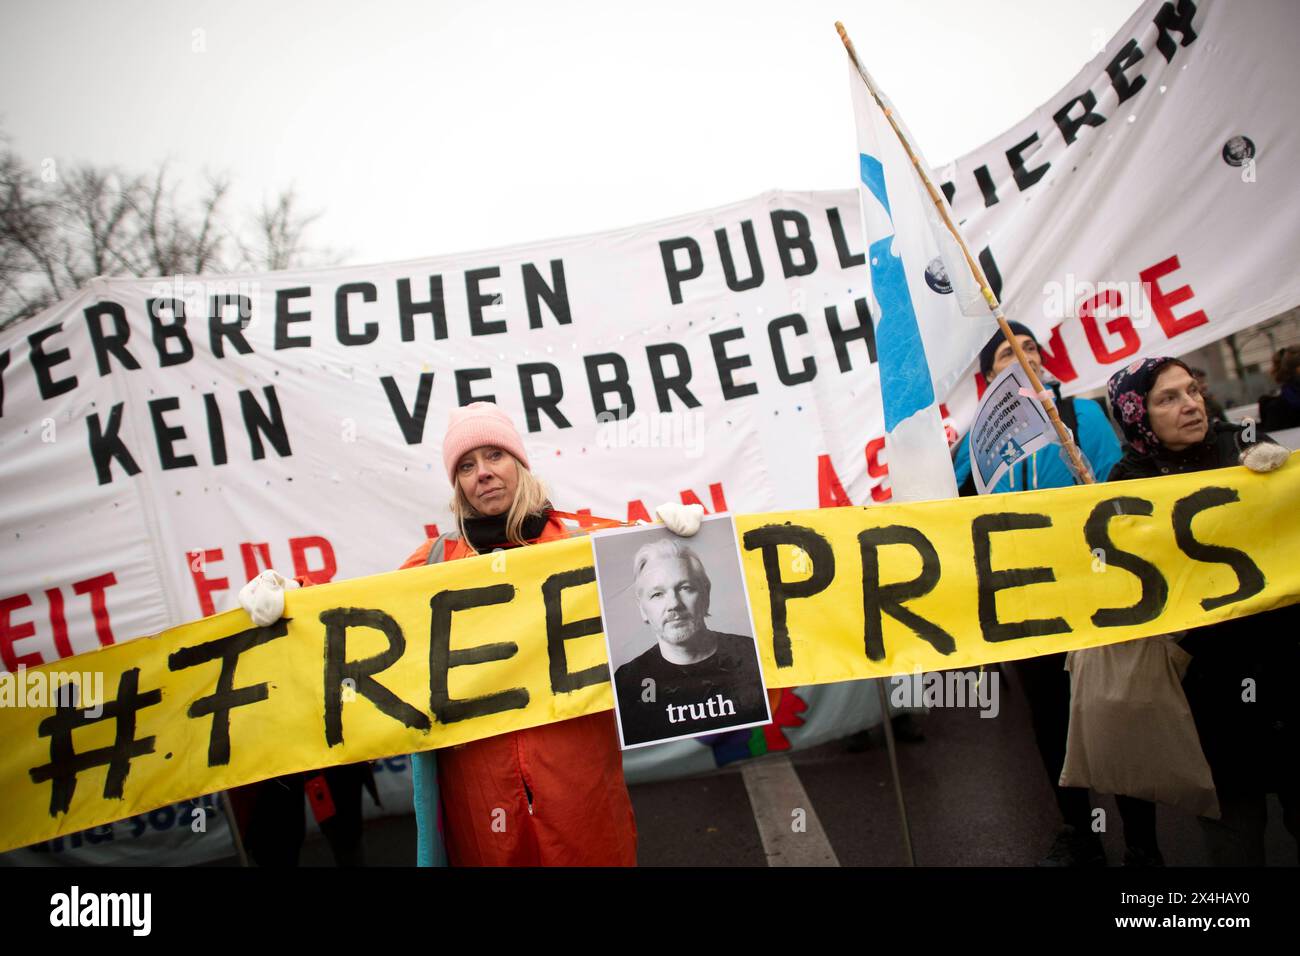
pixel 1010 425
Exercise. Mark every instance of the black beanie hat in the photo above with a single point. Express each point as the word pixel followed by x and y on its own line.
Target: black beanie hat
pixel 991 349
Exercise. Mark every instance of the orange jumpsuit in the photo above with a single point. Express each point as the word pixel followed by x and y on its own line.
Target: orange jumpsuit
pixel 560 785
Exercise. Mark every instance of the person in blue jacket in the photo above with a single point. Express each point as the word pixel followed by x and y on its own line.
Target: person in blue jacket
pixel 1045 468
pixel 1044 679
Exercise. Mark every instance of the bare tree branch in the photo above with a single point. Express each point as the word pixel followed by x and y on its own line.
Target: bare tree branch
pixel 60 231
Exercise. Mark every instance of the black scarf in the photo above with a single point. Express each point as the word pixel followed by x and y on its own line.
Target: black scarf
pixel 488 532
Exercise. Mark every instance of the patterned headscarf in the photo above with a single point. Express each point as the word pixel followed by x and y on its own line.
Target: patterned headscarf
pixel 1128 390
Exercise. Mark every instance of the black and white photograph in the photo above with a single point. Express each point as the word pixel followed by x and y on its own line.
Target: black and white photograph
pixel 679 633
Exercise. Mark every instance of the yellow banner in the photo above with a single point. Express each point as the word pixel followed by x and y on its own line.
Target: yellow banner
pixel 435 656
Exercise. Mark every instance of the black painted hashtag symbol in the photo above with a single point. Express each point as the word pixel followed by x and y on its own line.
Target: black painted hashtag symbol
pixel 65 763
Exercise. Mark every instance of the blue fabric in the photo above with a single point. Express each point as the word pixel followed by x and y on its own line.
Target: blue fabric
pixel 905 386
pixel 429 848
pixel 1096 439
pixel 873 177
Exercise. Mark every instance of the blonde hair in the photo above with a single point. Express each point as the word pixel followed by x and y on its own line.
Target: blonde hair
pixel 530 499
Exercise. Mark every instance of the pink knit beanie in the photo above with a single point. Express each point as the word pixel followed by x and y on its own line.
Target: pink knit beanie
pixel 475 425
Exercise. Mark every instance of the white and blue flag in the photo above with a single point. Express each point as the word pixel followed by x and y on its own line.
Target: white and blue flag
pixel 925 303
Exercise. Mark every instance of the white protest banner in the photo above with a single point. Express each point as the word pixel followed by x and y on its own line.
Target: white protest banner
pixel 1010 424
pixel 164 439
pixel 1141 210
pixel 179 834
pixel 167 439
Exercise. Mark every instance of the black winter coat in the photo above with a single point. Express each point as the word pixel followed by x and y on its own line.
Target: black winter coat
pixel 1281 411
pixel 1222 448
pixel 1252 745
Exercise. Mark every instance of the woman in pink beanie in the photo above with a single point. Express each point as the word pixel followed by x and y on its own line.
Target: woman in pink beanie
pixel 560 785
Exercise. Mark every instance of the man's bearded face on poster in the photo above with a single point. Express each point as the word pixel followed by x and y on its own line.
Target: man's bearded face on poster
pixel 673 597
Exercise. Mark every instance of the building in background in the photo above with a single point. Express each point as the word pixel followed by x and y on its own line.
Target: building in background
pixel 1239 366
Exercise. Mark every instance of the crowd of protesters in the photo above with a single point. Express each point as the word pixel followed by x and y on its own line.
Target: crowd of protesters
pixel 1250 740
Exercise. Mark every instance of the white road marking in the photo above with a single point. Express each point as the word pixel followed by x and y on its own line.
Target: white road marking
pixel 775 793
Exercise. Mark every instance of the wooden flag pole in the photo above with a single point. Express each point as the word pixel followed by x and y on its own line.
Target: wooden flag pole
pixel 1077 463
pixel 887 720
pixel 233 822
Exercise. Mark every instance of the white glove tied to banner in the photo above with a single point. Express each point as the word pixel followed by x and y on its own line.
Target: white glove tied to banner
pixel 1264 457
pixel 263 597
pixel 681 520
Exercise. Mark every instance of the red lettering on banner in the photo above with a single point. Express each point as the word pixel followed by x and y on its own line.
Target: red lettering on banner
pixel 1120 325
pixel 1056 357
pixel 95 587
pixel 11 633
pixel 255 557
pixel 1163 302
pixel 878 469
pixel 250 551
pixel 949 432
pixel 431 531
pixel 58 622
pixel 636 512
pixel 830 493
pixel 197 561
pixel 299 547
pixel 715 492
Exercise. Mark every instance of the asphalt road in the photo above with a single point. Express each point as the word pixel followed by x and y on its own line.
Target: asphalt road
pixel 976 795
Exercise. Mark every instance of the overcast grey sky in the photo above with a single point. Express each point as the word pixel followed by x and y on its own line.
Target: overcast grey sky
pixel 422 128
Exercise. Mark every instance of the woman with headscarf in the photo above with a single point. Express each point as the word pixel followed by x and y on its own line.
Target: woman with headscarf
pixel 1251 740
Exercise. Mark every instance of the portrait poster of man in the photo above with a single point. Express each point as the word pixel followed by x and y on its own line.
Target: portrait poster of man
pixel 679 633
